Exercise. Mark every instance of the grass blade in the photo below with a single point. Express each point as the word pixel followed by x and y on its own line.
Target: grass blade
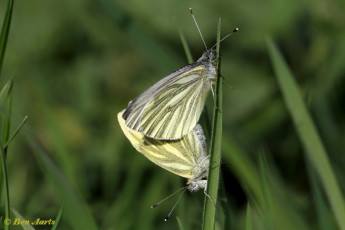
pixel 248 218
pixel 215 150
pixel 308 135
pixel 5 31
pixel 6 127
pixel 267 193
pixel 185 44
pixel 249 176
pixel 17 215
pixel 57 219
pixel 179 222
pixel 16 131
pixel 4 90
pixel 77 212
pixel 7 120
pixel 323 216
pixel 5 184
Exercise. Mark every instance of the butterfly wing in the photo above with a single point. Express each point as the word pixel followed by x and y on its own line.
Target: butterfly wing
pixel 171 108
pixel 177 156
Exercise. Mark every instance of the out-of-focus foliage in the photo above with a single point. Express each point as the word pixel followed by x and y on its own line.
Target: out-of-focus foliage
pixel 76 64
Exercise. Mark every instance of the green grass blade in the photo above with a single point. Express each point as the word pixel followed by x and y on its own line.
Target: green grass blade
pixel 323 218
pixel 5 31
pixel 16 131
pixel 77 212
pixel 57 219
pixel 7 120
pixel 249 176
pixel 308 134
pixel 6 128
pixel 4 173
pixel 179 222
pixel 185 44
pixel 249 218
pixel 17 215
pixel 215 150
pixel 4 90
pixel 267 193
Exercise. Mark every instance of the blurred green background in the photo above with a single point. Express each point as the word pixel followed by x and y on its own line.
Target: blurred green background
pixel 76 64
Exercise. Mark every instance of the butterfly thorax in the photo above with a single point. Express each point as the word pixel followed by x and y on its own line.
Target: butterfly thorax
pixel 208 59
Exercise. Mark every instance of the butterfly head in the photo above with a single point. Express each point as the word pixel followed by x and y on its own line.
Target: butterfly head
pixel 208 56
pixel 199 181
pixel 195 185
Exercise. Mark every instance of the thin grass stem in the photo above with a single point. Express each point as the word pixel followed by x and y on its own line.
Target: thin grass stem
pixel 5 31
pixel 215 150
pixel 5 179
pixel 57 219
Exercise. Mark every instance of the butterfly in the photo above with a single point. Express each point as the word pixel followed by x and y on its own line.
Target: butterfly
pixel 171 108
pixel 185 157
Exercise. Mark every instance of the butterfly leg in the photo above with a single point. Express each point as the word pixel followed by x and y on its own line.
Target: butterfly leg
pixel 214 98
pixel 208 196
pixel 224 83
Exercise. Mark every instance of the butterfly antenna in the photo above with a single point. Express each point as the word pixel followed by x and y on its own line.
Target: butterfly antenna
pixel 158 203
pixel 234 31
pixel 166 218
pixel 202 38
